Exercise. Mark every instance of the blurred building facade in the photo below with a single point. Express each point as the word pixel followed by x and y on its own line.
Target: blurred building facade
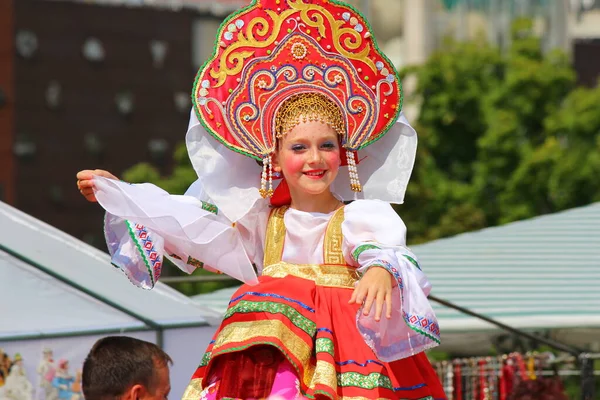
pixel 91 85
pixel 570 25
pixel 7 119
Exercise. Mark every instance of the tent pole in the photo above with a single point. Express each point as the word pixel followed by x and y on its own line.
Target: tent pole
pixel 100 332
pixel 160 338
pixel 588 382
pixel 552 343
pixel 97 332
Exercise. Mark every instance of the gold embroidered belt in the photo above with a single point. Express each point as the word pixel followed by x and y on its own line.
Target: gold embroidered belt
pixel 329 275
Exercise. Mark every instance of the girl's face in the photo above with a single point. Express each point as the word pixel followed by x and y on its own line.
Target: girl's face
pixel 309 158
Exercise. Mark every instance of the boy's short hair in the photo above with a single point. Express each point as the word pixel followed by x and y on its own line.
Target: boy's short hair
pixel 116 363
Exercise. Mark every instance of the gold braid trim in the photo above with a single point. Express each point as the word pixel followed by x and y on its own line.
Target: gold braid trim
pixel 339 276
pixel 332 244
pixel 275 236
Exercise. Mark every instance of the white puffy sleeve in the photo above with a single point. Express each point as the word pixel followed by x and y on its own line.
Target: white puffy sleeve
pixel 144 224
pixel 374 235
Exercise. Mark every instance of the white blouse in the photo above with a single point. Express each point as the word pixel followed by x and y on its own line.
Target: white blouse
pixel 192 233
pixel 365 221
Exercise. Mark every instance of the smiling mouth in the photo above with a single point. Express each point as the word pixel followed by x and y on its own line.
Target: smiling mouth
pixel 314 174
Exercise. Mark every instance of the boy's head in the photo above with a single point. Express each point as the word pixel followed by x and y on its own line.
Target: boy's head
pixel 121 367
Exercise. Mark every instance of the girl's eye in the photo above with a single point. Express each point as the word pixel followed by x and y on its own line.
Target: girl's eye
pixel 328 145
pixel 297 147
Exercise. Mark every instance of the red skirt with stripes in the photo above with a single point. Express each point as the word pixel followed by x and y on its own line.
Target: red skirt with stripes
pixel 314 328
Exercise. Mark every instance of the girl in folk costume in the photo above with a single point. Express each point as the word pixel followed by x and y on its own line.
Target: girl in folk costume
pixel 295 93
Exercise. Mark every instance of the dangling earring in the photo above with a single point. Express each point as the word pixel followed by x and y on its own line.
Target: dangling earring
pixel 353 171
pixel 270 191
pixel 267 173
pixel 263 178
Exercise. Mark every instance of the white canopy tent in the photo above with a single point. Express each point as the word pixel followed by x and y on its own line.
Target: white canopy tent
pixel 540 274
pixel 57 292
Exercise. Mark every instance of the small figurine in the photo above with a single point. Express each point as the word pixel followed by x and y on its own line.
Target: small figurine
pixel 4 366
pixel 63 381
pixel 77 393
pixel 46 371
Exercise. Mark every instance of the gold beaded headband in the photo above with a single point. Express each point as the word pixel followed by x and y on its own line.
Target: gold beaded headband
pixel 305 107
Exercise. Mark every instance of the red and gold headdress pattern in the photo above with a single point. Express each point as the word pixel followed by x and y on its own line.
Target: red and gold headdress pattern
pixel 274 50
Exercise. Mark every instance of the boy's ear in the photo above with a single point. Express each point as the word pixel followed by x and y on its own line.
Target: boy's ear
pixel 134 392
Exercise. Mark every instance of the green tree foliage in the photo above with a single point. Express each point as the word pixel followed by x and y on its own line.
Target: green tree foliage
pixel 182 176
pixel 502 137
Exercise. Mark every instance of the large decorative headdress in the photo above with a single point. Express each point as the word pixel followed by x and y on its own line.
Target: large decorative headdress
pixel 318 51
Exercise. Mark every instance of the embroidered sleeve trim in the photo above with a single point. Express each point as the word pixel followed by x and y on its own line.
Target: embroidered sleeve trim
pixel 389 267
pixel 413 261
pixel 210 208
pixel 195 262
pixel 145 245
pixel 358 251
pixel 413 344
pixel 423 325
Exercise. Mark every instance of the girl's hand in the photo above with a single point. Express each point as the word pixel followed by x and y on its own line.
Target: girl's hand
pixel 85 184
pixel 374 286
